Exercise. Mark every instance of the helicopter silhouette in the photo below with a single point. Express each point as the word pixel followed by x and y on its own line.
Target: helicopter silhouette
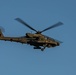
pixel 37 39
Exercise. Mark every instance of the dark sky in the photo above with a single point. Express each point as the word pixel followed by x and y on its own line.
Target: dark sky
pixel 22 59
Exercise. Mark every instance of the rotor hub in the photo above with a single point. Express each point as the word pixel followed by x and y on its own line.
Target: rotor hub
pixel 38 32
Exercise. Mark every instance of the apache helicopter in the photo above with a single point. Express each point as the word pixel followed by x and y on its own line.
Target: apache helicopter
pixel 38 40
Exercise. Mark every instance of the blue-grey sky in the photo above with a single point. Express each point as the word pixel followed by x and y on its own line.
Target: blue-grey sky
pixel 22 59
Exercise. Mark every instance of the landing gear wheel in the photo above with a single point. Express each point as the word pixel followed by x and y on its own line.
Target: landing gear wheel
pixel 42 49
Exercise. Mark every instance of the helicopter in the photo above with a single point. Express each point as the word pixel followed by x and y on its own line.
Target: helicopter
pixel 37 39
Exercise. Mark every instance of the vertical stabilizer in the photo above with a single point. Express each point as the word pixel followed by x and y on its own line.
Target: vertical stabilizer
pixel 1 34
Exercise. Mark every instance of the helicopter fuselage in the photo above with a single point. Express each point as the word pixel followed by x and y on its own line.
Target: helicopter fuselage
pixel 36 40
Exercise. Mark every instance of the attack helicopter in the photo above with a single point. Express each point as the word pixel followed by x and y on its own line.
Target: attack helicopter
pixel 37 39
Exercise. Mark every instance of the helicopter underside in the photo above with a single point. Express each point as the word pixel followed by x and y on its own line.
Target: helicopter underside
pixel 42 45
pixel 37 44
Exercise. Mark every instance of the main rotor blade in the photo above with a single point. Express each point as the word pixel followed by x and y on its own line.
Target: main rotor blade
pixel 53 26
pixel 53 39
pixel 21 21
